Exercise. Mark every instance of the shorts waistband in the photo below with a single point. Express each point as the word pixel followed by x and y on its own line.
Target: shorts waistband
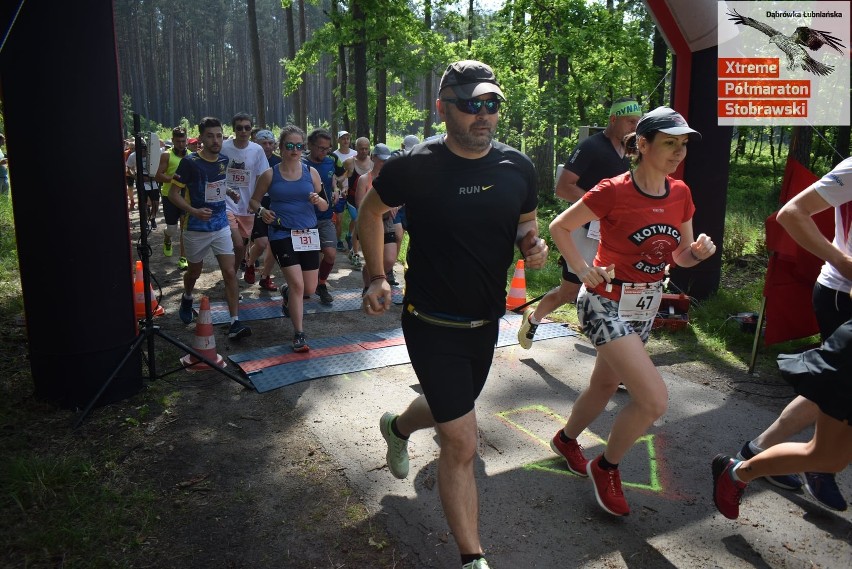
pixel 437 321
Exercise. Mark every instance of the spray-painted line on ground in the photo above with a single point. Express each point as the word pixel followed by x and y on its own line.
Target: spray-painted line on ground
pixel 278 366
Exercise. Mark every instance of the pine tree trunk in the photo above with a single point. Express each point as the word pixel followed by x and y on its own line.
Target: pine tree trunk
pixel 257 66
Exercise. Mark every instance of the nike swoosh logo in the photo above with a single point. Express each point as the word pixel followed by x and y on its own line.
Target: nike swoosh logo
pixel 485 188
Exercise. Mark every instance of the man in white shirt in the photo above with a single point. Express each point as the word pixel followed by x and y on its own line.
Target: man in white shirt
pixel 246 161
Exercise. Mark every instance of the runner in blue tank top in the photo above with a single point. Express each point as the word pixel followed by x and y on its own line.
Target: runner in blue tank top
pixel 294 189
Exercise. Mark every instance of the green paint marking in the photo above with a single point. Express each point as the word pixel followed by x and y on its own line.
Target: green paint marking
pixel 556 466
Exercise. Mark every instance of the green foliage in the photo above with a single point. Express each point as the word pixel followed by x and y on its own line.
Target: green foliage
pixel 713 335
pixel 402 113
pixel 744 235
pixel 10 284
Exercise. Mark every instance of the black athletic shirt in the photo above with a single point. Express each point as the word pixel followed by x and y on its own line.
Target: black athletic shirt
pixel 462 223
pixel 594 160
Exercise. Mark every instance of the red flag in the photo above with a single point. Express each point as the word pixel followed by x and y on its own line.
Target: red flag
pixel 792 270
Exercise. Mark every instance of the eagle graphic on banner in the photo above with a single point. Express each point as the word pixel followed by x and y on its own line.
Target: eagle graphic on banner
pixel 794 45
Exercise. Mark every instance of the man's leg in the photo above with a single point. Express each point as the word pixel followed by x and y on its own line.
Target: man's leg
pixel 232 289
pixel 155 204
pixel 456 482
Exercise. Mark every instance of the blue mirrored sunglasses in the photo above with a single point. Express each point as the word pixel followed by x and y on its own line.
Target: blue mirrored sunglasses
pixel 473 106
pixel 293 146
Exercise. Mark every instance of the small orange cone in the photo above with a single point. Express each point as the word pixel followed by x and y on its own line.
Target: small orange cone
pixel 518 291
pixel 204 341
pixel 139 295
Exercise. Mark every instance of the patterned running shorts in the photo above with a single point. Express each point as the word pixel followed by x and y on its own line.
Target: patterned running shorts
pixel 600 322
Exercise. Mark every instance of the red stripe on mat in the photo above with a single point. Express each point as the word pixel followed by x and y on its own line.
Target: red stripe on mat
pixel 254 365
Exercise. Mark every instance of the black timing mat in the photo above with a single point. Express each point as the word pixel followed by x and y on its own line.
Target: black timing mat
pixel 270 307
pixel 277 366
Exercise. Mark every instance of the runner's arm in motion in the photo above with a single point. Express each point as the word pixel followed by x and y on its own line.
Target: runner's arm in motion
pixel 371 234
pixel 532 247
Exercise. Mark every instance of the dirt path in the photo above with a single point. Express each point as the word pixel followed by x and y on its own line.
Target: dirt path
pixel 254 480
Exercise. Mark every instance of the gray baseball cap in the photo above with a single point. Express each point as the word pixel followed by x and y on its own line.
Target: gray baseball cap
pixel 410 141
pixel 470 78
pixel 381 151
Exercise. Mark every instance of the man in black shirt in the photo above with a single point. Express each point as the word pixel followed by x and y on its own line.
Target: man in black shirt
pixel 469 201
pixel 598 157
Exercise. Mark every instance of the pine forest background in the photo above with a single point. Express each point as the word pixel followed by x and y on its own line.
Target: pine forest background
pixel 372 67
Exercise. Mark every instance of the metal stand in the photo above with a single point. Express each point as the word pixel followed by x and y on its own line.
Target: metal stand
pixel 148 330
pixel 760 316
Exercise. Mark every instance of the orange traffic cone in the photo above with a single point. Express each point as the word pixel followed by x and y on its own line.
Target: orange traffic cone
pixel 139 295
pixel 518 291
pixel 204 341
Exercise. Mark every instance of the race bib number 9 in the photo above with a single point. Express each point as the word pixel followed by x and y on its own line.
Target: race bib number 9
pixel 238 178
pixel 214 191
pixel 640 301
pixel 305 239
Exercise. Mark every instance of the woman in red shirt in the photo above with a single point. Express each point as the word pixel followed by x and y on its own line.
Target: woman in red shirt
pixel 646 224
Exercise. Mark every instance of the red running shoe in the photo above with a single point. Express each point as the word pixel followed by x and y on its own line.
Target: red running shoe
pixel 608 491
pixel 727 492
pixel 267 284
pixel 572 453
pixel 248 276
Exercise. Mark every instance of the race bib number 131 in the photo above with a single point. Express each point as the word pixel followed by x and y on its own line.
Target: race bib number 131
pixel 305 239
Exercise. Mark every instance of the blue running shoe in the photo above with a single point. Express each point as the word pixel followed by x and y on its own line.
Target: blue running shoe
pixel 238 331
pixel 185 310
pixel 823 488
pixel 783 481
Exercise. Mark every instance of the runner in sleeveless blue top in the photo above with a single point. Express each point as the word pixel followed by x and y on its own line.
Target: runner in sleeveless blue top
pixel 202 174
pixel 469 201
pixel 294 189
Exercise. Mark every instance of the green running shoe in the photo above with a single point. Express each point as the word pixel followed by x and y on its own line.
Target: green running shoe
pixel 397 455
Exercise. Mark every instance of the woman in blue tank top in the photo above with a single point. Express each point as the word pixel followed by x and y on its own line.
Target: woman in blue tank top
pixel 294 189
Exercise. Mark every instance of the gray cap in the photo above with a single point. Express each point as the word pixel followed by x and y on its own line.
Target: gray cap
pixel 665 120
pixel 470 78
pixel 381 151
pixel 410 141
pixel 264 135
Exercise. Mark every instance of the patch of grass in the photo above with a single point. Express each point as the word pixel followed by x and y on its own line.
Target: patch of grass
pixel 713 335
pixel 61 509
pixel 61 499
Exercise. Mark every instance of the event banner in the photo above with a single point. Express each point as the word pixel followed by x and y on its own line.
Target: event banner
pixel 783 63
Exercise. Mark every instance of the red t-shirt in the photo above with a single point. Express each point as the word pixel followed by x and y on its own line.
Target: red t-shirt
pixel 639 232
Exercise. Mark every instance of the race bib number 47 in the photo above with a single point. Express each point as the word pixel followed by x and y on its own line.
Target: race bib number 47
pixel 640 301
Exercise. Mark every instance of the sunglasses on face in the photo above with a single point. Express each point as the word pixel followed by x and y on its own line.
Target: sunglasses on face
pixel 473 106
pixel 294 146
pixel 239 128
